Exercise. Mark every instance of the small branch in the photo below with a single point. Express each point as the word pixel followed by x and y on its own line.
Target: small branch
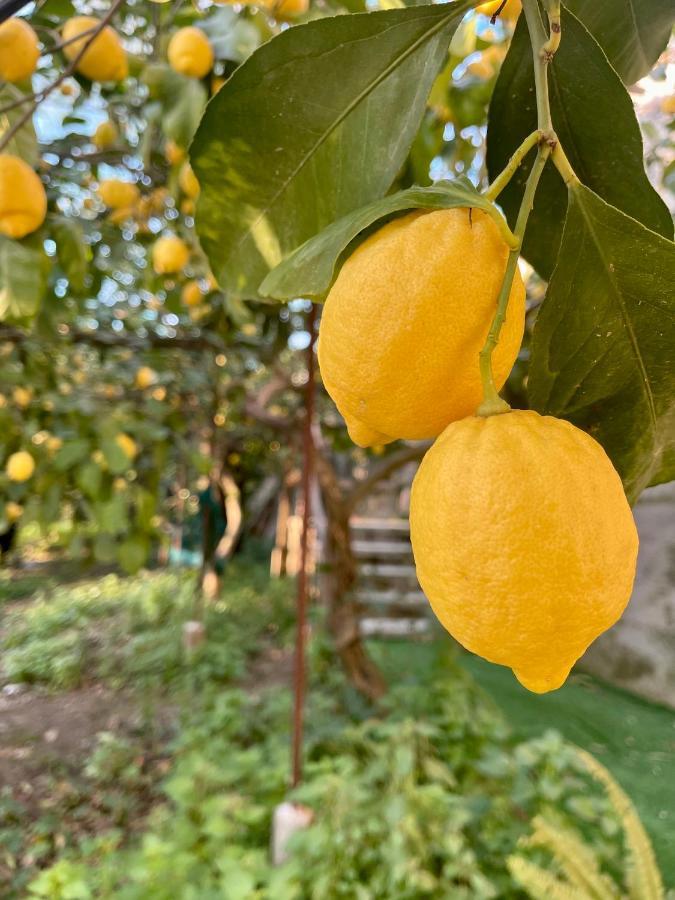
pixel 67 72
pixel 504 177
pixel 386 468
pixel 562 164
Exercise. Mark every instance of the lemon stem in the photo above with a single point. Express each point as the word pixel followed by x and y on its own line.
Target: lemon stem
pixel 505 176
pixel 544 45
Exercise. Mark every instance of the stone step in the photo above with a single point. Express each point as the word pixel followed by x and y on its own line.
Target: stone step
pixel 381 548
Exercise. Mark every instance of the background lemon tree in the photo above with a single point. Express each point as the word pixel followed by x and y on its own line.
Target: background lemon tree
pixel 132 341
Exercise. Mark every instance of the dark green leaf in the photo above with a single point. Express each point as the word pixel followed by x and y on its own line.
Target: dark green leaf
pixel 72 251
pixel 602 351
pixel 314 124
pixel 24 143
pixel 89 479
pixel 308 272
pixel 633 33
pixel 24 267
pixel 594 118
pixel 116 459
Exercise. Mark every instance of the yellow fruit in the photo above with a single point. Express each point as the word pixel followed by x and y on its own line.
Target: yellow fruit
pixel 187 207
pixel 188 181
pixel 19 50
pixel 13 511
pixel 191 295
pixel 524 541
pixel 20 466
pixel 288 8
pixel 127 445
pixel 22 396
pixel 159 394
pixel 145 376
pixel 68 88
pixel 169 255
pixel 216 84
pixel 403 325
pixel 488 62
pixel 105 134
pixel 190 52
pixel 118 194
pixel 120 484
pixel 104 59
pixel 510 12
pixel 54 443
pixel 173 153
pixel 23 201
pixel 668 105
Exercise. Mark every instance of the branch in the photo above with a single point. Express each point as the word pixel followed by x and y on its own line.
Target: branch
pixel 67 72
pixel 386 468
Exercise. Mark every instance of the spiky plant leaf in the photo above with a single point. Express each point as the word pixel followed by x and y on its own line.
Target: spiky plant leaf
pixel 540 884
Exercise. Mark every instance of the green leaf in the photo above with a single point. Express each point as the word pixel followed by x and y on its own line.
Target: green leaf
pixel 308 272
pixel 89 479
pixel 603 341
pixel 24 268
pixel 70 454
pixel 594 118
pixel 117 460
pixel 316 123
pixel 633 33
pixel 132 554
pixel 111 516
pixel 24 143
pixel 182 101
pixel 71 251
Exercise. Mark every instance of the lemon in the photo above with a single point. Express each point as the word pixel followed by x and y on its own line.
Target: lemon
pixel 145 376
pixel 524 541
pixel 668 105
pixel 169 255
pixel 118 194
pixel 104 59
pixel 105 135
pixel 404 323
pixel 22 396
pixel 13 511
pixel 20 466
pixel 54 443
pixel 191 295
pixel 510 12
pixel 19 50
pixel 126 444
pixel 23 201
pixel 187 181
pixel 190 52
pixel 173 153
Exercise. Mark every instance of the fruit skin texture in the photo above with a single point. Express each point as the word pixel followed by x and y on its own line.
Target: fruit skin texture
pixel 190 52
pixel 524 541
pixel 19 50
pixel 104 59
pixel 169 255
pixel 23 201
pixel 118 194
pixel 403 325
pixel 20 466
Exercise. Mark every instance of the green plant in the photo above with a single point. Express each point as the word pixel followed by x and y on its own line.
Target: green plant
pixel 575 872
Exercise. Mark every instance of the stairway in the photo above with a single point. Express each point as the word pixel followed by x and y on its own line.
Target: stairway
pixel 392 604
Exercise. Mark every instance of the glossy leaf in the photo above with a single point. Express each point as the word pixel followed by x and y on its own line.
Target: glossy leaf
pixel 72 251
pixel 633 33
pixel 309 271
pixel 594 118
pixel 24 143
pixel 602 350
pixel 316 123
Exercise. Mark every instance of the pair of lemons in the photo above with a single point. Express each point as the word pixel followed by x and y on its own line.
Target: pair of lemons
pixel 523 538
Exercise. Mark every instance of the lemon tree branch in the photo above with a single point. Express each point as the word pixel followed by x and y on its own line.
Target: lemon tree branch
pixel 500 182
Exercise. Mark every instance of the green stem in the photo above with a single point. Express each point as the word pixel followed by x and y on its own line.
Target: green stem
pixel 542 57
pixel 500 182
pixel 564 167
pixel 492 402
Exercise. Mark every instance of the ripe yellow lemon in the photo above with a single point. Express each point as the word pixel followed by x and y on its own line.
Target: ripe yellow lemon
pixel 13 511
pixel 104 59
pixel 190 52
pixel 22 396
pixel 173 153
pixel 187 181
pixel 105 134
pixel 524 541
pixel 118 194
pixel 510 12
pixel 23 201
pixel 288 8
pixel 20 466
pixel 145 376
pixel 403 325
pixel 191 295
pixel 169 255
pixel 126 444
pixel 19 50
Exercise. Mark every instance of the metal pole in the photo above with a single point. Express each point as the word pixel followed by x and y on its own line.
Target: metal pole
pixel 300 675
